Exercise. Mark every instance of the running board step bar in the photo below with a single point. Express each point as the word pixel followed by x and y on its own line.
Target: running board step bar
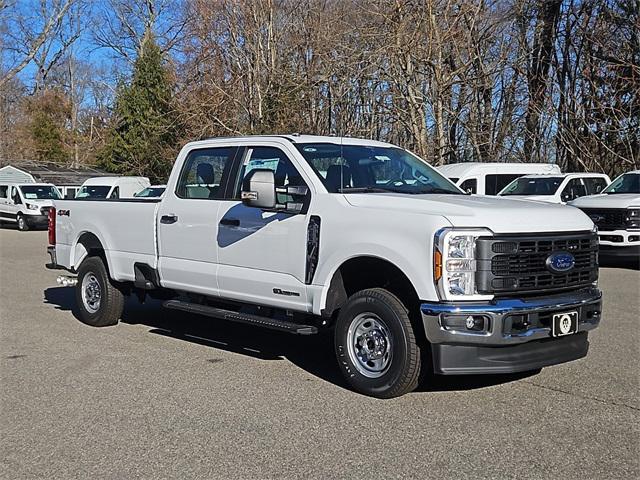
pixel 245 318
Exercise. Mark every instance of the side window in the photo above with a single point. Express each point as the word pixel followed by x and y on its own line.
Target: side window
pixel 470 185
pixel 273 159
pixel 496 182
pixel 3 191
pixel 594 184
pixel 15 196
pixel 573 190
pixel 70 193
pixel 203 173
pixel 115 193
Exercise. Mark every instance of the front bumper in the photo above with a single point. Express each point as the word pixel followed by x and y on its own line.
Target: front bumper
pixel 503 348
pixel 619 238
pixel 621 251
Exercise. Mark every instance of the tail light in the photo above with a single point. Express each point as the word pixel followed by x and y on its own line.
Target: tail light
pixel 52 226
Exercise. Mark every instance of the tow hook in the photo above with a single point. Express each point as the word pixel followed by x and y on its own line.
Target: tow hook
pixel 66 281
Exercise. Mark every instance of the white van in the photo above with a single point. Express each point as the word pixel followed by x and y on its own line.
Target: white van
pixel 556 188
pixel 112 187
pixel 27 204
pixel 490 178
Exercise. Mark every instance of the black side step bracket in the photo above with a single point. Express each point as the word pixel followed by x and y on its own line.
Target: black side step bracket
pixel 246 318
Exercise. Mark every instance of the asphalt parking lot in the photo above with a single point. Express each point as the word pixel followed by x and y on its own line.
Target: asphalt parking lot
pixel 228 401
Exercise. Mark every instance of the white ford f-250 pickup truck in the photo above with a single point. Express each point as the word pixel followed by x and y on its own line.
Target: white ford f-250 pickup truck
pixel 299 233
pixel 616 213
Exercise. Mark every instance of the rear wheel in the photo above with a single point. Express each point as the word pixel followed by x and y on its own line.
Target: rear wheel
pixel 23 226
pixel 99 302
pixel 376 346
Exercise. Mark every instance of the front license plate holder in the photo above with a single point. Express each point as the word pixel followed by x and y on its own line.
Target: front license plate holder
pixel 563 324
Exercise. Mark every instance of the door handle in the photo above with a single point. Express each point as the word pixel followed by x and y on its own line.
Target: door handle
pixel 168 219
pixel 231 222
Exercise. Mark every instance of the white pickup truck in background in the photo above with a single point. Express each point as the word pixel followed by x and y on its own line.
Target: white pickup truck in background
pixel 560 188
pixel 616 213
pixel 301 233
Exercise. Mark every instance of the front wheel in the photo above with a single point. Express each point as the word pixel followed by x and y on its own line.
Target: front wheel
pixel 99 302
pixel 23 226
pixel 376 346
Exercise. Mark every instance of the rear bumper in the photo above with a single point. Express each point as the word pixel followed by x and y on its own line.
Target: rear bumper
pixel 37 220
pixel 517 336
pixel 53 265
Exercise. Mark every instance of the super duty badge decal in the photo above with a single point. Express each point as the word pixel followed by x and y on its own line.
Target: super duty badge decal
pixel 286 293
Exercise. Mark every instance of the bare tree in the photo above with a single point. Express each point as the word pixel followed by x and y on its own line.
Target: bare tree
pixel 26 30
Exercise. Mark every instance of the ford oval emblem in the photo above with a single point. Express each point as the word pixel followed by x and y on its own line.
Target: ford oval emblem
pixel 560 262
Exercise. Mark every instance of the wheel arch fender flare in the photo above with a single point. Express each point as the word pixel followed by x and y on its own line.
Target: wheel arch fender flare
pixel 86 245
pixel 337 289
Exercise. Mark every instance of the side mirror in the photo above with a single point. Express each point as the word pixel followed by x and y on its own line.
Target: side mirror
pixel 259 189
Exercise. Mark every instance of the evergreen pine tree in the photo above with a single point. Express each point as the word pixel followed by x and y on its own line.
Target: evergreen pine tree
pixel 142 138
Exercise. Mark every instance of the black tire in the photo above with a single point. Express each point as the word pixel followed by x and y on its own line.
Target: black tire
pixel 108 309
pixel 382 309
pixel 23 226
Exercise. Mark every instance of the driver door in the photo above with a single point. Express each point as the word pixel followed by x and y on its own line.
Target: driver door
pixel 262 254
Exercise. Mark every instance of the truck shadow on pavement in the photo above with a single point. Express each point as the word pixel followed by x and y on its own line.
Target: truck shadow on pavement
pixel 313 354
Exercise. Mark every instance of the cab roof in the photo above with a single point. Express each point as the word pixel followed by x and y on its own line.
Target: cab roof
pixel 299 139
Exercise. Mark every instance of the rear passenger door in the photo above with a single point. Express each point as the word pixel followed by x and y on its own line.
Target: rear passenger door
pixel 188 221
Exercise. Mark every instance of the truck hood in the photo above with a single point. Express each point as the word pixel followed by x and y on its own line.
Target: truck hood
pixel 501 215
pixel 615 200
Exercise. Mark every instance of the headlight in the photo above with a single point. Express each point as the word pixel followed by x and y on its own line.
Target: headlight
pixel 31 206
pixel 455 263
pixel 632 218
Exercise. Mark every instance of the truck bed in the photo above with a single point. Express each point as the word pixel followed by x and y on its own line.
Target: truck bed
pixel 126 229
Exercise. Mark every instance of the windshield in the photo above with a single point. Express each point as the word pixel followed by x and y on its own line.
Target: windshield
pixel 364 168
pixel 151 192
pixel 627 183
pixel 40 192
pixel 93 191
pixel 532 186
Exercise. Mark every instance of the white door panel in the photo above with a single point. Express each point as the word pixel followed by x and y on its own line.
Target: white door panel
pixel 262 254
pixel 187 246
pixel 188 222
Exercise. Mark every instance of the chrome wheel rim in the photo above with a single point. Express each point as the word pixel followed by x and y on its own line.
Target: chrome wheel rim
pixel 370 345
pixel 91 293
pixel 21 222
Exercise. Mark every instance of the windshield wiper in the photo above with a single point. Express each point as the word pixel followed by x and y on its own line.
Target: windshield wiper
pixel 442 190
pixel 364 190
